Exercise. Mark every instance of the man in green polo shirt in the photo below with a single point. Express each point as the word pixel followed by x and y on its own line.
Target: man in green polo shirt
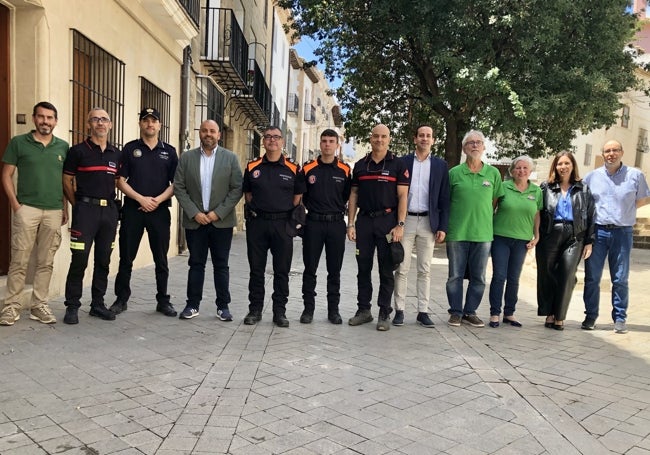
pixel 39 210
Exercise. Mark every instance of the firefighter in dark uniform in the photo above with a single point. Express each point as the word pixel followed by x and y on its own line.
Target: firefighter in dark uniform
pixel 89 174
pixel 380 184
pixel 273 185
pixel 146 176
pixel 327 191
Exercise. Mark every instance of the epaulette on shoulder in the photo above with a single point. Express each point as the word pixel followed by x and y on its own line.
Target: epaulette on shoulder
pixel 253 163
pixel 309 165
pixel 345 166
pixel 291 165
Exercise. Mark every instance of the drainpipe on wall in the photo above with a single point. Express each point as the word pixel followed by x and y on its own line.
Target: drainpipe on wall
pixel 184 133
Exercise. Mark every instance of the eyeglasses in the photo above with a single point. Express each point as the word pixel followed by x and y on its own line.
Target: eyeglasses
pixel 616 150
pixel 275 137
pixel 473 143
pixel 99 119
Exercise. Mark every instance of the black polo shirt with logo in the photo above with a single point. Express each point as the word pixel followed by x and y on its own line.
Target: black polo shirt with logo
pixel 149 172
pixel 327 185
pixel 273 184
pixel 377 182
pixel 94 171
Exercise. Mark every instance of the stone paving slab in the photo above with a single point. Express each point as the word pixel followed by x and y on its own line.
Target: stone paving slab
pixel 149 384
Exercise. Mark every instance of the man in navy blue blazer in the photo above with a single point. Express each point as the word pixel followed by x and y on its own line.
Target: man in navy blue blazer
pixel 426 222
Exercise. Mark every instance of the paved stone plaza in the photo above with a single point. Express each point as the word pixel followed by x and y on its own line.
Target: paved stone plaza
pixel 150 384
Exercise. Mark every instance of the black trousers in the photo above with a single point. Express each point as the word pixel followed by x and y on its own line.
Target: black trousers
pixel 371 235
pixel 261 236
pixel 319 234
pixel 90 224
pixel 132 227
pixel 558 254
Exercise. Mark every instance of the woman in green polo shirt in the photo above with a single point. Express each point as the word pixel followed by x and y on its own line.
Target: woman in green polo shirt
pixel 516 230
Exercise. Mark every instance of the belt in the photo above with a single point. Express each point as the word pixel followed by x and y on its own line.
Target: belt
pixel 325 216
pixel 418 213
pixel 272 215
pixel 377 213
pixel 93 201
pixel 609 226
pixel 565 222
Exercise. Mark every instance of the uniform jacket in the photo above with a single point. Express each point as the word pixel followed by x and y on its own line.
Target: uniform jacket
pixel 226 187
pixel 582 203
pixel 438 192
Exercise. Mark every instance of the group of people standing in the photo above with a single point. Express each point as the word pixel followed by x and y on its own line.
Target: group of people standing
pixel 395 206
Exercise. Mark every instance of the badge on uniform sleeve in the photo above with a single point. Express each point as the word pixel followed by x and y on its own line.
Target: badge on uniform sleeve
pixel 312 179
pixel 256 173
pixel 137 153
pixel 406 173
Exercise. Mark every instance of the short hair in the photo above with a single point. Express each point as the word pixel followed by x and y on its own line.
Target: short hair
pixel 472 133
pixel 552 175
pixel 272 127
pixel 422 125
pixel 525 158
pixel 329 132
pixel 97 108
pixel 45 105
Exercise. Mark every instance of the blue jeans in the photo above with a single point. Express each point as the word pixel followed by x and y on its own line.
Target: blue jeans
pixel 508 257
pixel 616 246
pixel 472 256
pixel 199 242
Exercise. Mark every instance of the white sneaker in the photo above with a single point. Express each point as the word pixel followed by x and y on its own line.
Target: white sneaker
pixel 620 327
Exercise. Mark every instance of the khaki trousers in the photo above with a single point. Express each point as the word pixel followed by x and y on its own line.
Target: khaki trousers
pixel 32 228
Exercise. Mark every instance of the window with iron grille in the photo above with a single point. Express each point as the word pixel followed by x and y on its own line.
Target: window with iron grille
pixel 210 104
pixel 625 117
pixel 97 81
pixel 152 96
pixel 255 142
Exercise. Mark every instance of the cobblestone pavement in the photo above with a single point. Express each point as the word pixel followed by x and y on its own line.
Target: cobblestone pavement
pixel 150 384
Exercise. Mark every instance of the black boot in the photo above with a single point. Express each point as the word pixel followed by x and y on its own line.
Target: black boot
pixel 71 315
pixel 99 310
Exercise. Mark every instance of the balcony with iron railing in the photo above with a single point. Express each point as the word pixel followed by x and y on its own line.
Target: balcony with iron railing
pixel 224 49
pixel 255 101
pixel 310 113
pixel 293 104
pixel 192 8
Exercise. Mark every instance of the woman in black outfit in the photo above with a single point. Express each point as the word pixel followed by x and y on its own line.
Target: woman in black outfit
pixel 566 235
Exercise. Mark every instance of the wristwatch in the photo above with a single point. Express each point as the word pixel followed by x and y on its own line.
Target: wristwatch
pixel 400 223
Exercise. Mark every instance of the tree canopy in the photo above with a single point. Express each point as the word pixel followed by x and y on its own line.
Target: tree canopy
pixel 527 73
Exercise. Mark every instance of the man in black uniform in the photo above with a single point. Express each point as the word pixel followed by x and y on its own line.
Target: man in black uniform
pixel 327 191
pixel 91 166
pixel 146 176
pixel 273 186
pixel 380 184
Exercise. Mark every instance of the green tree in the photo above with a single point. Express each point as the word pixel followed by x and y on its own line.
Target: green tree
pixel 528 73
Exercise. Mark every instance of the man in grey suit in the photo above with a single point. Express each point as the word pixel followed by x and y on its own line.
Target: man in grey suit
pixel 208 185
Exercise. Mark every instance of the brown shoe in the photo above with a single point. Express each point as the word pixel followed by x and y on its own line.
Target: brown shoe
pixel 9 315
pixel 42 313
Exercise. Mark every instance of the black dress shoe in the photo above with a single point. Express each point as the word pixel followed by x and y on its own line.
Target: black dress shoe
pixel 100 311
pixel 71 316
pixel 166 308
pixel 118 307
pixel 558 326
pixel 306 317
pixel 281 320
pixel 253 317
pixel 335 318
